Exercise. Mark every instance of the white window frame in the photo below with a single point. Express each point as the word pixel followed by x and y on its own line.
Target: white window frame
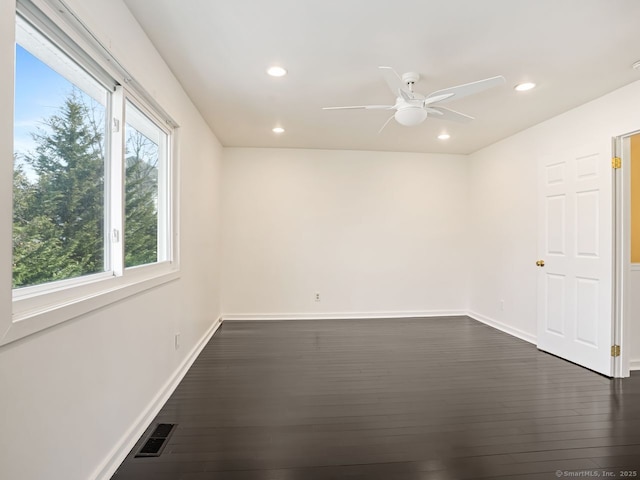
pixel 39 307
pixel 164 242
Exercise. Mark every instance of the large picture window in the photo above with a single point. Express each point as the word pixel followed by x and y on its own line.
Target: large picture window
pixel 59 165
pixel 92 187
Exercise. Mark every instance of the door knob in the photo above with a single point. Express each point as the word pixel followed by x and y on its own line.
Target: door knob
pixel 540 263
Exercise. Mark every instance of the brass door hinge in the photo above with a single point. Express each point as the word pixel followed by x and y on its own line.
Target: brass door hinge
pixel 615 350
pixel 616 162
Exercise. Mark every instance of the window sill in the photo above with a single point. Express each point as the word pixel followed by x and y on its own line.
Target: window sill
pixel 34 315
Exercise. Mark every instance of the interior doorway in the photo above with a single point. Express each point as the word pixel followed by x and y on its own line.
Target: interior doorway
pixel 627 258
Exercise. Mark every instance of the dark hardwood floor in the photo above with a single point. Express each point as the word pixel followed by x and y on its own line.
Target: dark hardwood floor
pixel 441 398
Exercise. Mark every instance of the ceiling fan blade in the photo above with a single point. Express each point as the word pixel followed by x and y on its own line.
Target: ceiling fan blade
pixel 362 107
pixel 386 123
pixel 468 89
pixel 436 98
pixel 448 114
pixel 393 80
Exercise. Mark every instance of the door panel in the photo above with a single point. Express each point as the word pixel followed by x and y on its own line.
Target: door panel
pixel 575 239
pixel 555 314
pixel 587 294
pixel 587 224
pixel 556 220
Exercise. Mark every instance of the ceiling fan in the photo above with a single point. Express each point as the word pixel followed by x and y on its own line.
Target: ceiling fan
pixel 412 108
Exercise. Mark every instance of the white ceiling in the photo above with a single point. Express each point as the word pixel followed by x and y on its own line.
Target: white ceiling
pixel 575 50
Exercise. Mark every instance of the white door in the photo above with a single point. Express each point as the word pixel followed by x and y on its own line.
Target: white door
pixel 575 243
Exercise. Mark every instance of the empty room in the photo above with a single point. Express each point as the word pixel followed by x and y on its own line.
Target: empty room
pixel 319 239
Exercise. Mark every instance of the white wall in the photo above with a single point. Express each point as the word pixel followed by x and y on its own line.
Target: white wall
pixel 374 232
pixel 382 233
pixel 503 208
pixel 71 393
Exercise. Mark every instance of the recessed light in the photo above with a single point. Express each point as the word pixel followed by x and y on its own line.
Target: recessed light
pixel 444 136
pixel 277 130
pixel 523 87
pixel 276 71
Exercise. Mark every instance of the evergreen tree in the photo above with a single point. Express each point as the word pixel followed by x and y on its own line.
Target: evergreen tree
pixel 37 252
pixel 58 204
pixel 141 199
pixel 59 217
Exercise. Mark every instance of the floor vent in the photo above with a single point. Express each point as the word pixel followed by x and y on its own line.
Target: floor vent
pixel 156 442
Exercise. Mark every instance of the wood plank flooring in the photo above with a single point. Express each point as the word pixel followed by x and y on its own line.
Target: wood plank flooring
pixel 442 399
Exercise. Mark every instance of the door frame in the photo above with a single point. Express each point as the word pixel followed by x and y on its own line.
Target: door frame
pixel 621 251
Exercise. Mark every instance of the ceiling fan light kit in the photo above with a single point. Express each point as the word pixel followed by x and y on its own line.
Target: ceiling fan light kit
pixel 410 115
pixel 412 108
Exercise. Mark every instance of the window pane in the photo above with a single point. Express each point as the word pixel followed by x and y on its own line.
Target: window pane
pixel 59 165
pixel 145 160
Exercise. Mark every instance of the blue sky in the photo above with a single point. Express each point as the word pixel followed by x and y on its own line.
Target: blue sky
pixel 39 92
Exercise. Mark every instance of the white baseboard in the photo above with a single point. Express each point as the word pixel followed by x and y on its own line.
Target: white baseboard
pixel 515 332
pixel 527 337
pixel 342 315
pixel 634 364
pixel 117 455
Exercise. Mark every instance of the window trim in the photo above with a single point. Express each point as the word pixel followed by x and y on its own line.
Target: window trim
pixel 39 307
pixel 35 318
pixel 165 185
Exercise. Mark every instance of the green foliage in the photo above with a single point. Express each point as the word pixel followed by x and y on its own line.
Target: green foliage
pixel 38 254
pixel 59 208
pixel 141 187
pixel 58 217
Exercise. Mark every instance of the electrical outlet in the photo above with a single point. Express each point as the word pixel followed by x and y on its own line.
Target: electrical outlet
pixel 177 341
pixel 317 296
